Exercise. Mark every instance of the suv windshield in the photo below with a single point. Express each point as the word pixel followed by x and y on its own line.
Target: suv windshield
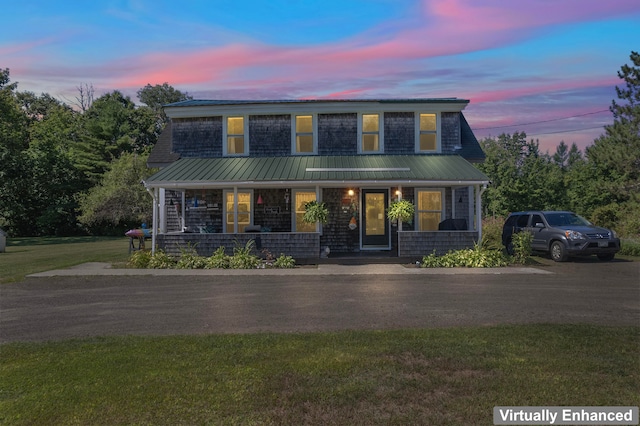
pixel 565 219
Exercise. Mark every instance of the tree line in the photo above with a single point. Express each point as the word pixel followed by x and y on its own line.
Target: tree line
pixel 69 171
pixel 602 184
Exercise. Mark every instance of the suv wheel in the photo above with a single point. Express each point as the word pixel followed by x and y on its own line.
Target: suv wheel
pixel 558 253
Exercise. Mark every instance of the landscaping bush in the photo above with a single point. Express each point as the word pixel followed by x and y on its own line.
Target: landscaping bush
pixel 218 260
pixel 629 247
pixel 284 261
pixel 492 233
pixel 161 260
pixel 521 246
pixel 476 257
pixel 243 258
pixel 139 259
pixel 189 259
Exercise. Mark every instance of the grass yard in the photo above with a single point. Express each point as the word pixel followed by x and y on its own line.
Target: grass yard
pixel 26 256
pixel 445 376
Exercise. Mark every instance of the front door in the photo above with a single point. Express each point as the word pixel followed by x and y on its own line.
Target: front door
pixel 375 225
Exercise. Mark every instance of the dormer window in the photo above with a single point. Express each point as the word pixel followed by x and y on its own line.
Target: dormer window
pixel 235 131
pixel 427 132
pixel 304 134
pixel 370 132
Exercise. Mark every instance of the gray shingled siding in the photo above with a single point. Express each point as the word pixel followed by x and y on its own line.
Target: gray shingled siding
pixel 418 244
pixel 450 131
pixel 274 213
pixel 197 137
pixel 399 133
pixel 269 135
pixel 300 246
pixel 336 233
pixel 337 134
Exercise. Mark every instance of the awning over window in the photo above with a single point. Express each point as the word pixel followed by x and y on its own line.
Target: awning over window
pixel 318 170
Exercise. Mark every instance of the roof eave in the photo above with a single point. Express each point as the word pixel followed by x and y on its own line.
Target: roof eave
pixel 309 183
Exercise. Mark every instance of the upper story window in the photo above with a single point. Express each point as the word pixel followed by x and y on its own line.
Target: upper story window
pixel 304 134
pixel 370 132
pixel 235 136
pixel 427 133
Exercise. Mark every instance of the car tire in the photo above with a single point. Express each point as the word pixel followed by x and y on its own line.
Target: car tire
pixel 606 257
pixel 558 253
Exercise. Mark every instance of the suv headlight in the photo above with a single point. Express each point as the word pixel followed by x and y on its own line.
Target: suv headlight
pixel 574 235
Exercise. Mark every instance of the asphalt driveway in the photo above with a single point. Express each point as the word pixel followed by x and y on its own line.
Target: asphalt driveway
pixel 77 305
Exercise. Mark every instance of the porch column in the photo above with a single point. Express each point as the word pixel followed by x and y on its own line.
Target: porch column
pixel 154 229
pixel 453 203
pixel 183 210
pixel 479 210
pixel 398 198
pixel 163 212
pixel 471 223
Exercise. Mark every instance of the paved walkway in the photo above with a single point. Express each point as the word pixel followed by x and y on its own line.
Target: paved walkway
pixel 105 269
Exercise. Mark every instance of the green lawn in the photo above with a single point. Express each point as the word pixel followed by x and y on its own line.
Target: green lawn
pixel 445 376
pixel 26 256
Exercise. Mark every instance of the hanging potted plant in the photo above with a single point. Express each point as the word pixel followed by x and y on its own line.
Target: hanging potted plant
pixel 315 212
pixel 402 210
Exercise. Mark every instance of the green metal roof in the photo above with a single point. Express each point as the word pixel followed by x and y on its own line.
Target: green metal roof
pixel 327 170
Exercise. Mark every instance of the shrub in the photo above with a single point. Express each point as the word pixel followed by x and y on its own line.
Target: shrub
pixel 191 261
pixel 521 246
pixel 218 260
pixel 243 258
pixel 161 260
pixel 284 262
pixel 189 258
pixel 492 233
pixel 139 259
pixel 629 247
pixel 476 257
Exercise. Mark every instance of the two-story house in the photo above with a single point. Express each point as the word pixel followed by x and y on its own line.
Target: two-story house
pixel 238 170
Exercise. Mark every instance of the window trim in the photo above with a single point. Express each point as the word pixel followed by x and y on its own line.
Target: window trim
pixel 443 206
pixel 437 132
pixel 294 133
pixel 380 115
pixel 225 142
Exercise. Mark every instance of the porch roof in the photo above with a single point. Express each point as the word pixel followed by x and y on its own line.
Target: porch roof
pixel 317 170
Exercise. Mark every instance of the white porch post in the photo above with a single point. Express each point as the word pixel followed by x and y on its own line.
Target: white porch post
pixel 183 210
pixel 471 223
pixel 453 203
pixel 154 229
pixel 398 198
pixel 479 210
pixel 163 212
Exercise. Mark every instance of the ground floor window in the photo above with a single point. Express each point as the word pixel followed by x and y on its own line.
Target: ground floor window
pixel 237 214
pixel 429 209
pixel 300 199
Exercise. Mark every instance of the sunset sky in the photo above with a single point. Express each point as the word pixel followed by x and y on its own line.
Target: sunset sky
pixel 547 67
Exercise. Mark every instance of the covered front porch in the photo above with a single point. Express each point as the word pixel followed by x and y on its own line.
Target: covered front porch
pixel 204 211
